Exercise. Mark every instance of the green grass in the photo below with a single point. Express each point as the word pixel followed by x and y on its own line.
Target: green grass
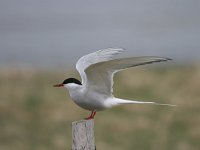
pixel 36 116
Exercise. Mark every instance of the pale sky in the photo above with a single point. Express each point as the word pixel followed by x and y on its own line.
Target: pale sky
pixel 55 33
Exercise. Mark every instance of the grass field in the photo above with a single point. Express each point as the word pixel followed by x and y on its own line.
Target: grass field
pixel 36 116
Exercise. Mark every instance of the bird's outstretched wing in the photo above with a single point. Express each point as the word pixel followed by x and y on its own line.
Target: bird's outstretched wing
pixel 97 69
pixel 93 58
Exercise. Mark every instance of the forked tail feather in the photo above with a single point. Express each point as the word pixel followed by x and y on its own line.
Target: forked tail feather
pixel 123 101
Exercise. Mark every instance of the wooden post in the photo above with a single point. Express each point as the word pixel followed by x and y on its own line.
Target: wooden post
pixel 83 135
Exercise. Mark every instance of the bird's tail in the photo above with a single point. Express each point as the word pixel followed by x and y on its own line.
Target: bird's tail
pixel 123 101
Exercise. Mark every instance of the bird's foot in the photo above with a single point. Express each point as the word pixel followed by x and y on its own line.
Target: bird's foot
pixel 88 118
pixel 91 115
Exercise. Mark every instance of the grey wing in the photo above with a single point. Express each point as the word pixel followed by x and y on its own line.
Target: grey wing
pixel 93 58
pixel 100 75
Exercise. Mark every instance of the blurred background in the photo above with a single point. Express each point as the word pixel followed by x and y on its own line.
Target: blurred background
pixel 40 42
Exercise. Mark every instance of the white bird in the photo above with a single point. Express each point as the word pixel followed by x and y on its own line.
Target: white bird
pixel 96 69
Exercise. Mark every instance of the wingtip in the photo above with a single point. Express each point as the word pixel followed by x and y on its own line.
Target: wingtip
pixel 168 59
pixel 112 49
pixel 164 59
pixel 117 48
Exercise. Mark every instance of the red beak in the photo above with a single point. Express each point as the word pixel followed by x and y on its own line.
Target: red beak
pixel 58 85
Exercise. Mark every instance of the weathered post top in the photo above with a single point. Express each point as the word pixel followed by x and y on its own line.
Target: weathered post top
pixel 83 135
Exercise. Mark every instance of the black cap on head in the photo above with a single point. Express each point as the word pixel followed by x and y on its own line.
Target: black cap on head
pixel 71 80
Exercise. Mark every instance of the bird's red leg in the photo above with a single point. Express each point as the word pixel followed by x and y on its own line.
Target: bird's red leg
pixel 94 113
pixel 91 115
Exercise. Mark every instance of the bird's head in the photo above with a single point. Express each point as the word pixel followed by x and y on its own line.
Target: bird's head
pixel 69 83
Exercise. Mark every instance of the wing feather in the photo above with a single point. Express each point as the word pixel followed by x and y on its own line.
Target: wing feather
pixel 100 75
pixel 95 57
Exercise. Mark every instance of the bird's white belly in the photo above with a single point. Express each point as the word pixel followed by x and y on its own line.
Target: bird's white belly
pixel 89 101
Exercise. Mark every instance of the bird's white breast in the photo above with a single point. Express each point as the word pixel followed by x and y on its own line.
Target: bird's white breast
pixel 87 98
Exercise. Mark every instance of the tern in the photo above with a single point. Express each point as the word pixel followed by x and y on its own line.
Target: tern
pixel 94 92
